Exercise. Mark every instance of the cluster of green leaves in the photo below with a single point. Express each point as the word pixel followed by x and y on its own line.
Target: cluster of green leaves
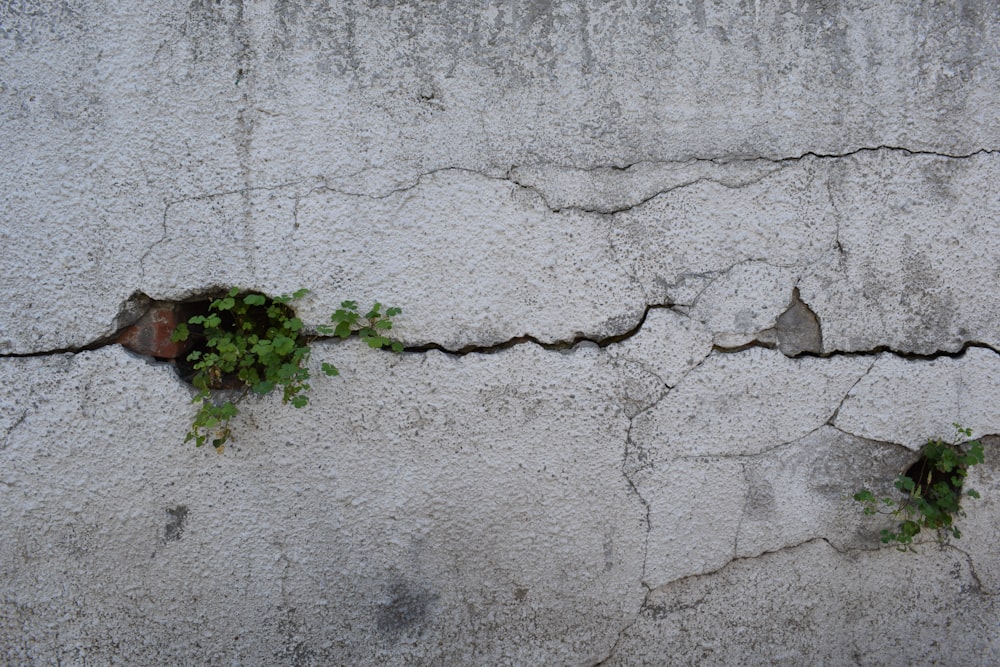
pixel 932 491
pixel 370 327
pixel 253 343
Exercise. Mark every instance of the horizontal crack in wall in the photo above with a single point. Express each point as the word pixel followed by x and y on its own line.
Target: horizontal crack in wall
pixel 506 174
pixel 881 349
pixel 736 157
pixel 718 160
pixel 556 346
pixel 569 344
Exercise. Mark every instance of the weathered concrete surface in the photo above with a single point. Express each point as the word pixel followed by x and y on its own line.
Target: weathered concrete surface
pixel 668 346
pixel 882 246
pixel 747 402
pixel 980 529
pixel 908 401
pixel 815 605
pixel 423 509
pixel 803 490
pixel 816 177
pixel 132 121
pixel 918 243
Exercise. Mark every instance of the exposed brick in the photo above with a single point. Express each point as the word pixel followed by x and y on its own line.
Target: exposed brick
pixel 150 335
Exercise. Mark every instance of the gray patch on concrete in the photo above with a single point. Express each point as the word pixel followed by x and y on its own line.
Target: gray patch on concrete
pixel 797 329
pixel 174 529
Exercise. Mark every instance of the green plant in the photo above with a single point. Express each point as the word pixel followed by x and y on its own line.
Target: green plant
pixel 253 344
pixel 932 490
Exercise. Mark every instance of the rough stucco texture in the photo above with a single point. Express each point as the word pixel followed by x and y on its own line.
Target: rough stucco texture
pixel 677 277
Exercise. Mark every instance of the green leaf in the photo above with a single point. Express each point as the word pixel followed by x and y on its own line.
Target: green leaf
pixel 287 371
pixel 283 345
pixel 180 333
pixel 330 369
pixel 300 401
pixel 344 316
pixel 298 294
pixel 254 299
pixel 263 387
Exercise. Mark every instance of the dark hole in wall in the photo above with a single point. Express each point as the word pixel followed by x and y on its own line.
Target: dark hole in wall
pixel 926 476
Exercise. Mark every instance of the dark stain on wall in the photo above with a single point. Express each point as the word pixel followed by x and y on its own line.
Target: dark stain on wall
pixel 174 529
pixel 405 609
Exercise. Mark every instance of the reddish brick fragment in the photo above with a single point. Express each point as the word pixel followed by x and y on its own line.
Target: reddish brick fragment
pixel 150 335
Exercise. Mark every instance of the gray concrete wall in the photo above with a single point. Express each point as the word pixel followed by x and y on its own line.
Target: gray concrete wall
pixel 677 278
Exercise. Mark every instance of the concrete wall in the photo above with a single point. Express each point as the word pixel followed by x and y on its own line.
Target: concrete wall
pixel 677 278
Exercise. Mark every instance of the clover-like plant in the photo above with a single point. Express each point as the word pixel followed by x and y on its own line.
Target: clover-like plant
pixel 932 490
pixel 252 343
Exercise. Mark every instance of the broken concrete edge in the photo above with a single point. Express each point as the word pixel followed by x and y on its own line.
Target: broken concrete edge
pixel 927 540
pixel 796 331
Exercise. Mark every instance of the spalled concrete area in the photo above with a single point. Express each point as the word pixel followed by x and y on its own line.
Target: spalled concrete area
pixel 677 280
pixel 814 605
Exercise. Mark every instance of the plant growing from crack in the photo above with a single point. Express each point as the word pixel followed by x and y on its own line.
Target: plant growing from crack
pixel 932 491
pixel 254 344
